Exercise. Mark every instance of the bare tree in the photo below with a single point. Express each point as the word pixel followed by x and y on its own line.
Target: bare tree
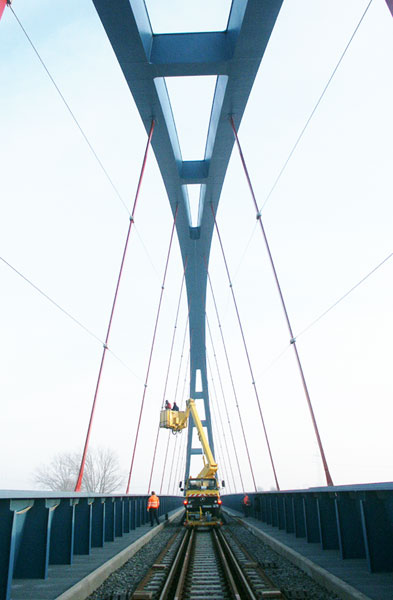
pixel 101 475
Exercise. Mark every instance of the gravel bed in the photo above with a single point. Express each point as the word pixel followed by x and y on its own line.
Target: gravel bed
pixel 289 579
pixel 126 579
pixel 286 576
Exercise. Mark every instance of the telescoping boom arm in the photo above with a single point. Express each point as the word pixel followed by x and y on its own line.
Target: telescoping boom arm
pixel 178 420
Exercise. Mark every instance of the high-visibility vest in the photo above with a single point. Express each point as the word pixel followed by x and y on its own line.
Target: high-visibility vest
pixel 153 502
pixel 246 501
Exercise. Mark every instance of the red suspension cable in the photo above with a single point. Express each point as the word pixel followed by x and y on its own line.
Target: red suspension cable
pixel 167 376
pixel 329 480
pixel 246 351
pixel 82 466
pixel 151 351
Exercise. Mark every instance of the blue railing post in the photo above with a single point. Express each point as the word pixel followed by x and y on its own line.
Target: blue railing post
pixel 298 515
pixel 138 512
pixel 126 514
pixel 274 504
pixel 62 533
pixel 109 520
pixel 349 526
pixel 327 521
pixel 98 523
pixel 310 512
pixel 12 517
pixel 83 526
pixel 36 534
pixel 269 510
pixel 119 517
pixel 289 522
pixel 132 513
pixel 264 509
pixel 377 525
pixel 281 511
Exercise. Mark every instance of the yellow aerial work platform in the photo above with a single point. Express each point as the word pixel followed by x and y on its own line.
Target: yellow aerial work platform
pixel 173 419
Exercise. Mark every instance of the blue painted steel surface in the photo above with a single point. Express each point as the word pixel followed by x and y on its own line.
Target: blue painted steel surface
pixel 39 529
pixel 62 547
pixel 83 526
pixel 146 59
pixel 356 520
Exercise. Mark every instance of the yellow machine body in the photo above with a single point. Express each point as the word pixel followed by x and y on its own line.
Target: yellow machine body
pixel 202 499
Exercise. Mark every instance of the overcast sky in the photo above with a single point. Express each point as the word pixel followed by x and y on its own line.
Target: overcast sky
pixel 329 221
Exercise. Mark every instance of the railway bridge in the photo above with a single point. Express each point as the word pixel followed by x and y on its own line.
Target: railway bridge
pixel 64 544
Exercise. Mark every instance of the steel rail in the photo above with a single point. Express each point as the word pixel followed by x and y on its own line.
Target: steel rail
pixel 247 593
pixel 225 565
pixel 187 539
pixel 184 570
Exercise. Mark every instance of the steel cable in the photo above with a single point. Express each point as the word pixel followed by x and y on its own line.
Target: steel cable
pixel 167 374
pixel 246 352
pixel 220 457
pixel 169 437
pixel 222 428
pixel 329 480
pixel 315 108
pixel 325 312
pixel 226 407
pixel 151 350
pixel 85 449
pixel 70 316
pixel 181 408
pixel 344 296
pixel 71 112
pixel 177 384
pixel 232 384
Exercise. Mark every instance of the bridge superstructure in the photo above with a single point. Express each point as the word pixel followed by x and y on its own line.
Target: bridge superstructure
pixel 146 59
pixel 41 530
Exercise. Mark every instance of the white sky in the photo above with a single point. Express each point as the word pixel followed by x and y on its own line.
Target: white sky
pixel 329 222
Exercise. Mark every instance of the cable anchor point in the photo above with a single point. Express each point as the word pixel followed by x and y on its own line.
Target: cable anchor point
pixel 258 215
pixel 132 219
pixel 105 346
pixel 292 340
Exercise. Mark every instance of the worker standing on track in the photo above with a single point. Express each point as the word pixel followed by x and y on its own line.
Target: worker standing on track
pixel 152 508
pixel 246 505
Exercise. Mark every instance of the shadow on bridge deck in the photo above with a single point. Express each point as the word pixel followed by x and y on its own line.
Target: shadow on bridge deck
pixel 348 578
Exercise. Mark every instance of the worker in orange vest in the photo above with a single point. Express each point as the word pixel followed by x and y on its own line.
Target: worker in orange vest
pixel 246 505
pixel 152 508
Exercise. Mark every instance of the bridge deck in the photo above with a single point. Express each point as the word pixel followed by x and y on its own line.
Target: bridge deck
pixel 63 577
pixel 354 572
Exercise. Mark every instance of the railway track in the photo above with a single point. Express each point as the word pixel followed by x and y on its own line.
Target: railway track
pixel 203 564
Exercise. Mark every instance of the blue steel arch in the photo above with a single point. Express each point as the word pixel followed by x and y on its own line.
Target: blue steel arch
pixel 234 56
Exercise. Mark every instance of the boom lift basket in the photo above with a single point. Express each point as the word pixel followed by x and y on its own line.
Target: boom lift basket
pixel 173 419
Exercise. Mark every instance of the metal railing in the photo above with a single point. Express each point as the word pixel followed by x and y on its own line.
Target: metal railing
pixel 357 520
pixel 42 528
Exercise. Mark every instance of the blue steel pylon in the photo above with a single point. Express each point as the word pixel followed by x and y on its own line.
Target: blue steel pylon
pixel 234 56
